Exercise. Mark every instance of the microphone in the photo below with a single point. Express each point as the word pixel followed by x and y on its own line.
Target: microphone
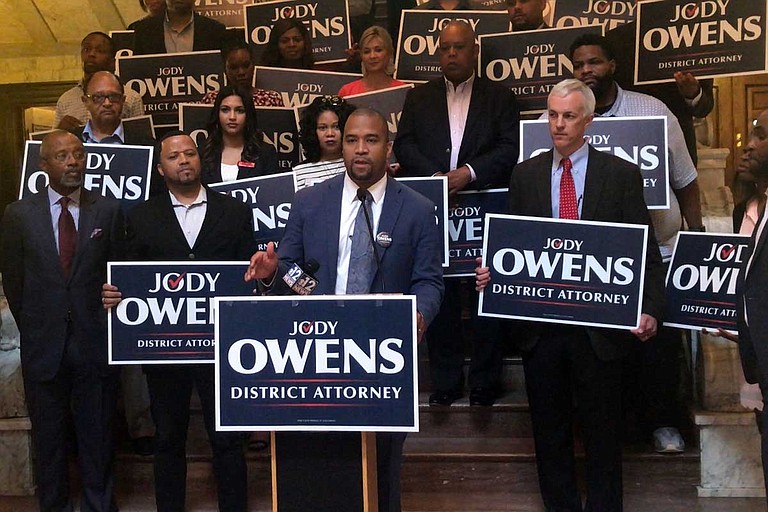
pixel 361 196
pixel 301 281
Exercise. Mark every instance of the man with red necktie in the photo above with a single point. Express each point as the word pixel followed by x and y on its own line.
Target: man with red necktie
pixel 55 248
pixel 575 181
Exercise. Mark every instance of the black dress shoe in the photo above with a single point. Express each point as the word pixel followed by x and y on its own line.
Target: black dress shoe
pixel 483 396
pixel 144 446
pixel 444 398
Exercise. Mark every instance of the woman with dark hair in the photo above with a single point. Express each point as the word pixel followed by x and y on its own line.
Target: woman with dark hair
pixel 320 132
pixel 289 46
pixel 239 68
pixel 377 54
pixel 235 148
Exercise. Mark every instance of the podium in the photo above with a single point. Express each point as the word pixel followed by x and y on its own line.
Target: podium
pixel 325 374
pixel 324 472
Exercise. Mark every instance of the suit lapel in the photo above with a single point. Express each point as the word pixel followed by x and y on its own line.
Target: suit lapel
pixel 331 218
pixel 393 202
pixel 213 212
pixel 168 223
pixel 43 213
pixel 593 185
pixel 473 115
pixel 87 219
pixel 544 185
pixel 443 125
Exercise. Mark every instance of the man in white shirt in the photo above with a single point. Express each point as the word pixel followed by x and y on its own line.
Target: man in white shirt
pixel 189 222
pixel 463 127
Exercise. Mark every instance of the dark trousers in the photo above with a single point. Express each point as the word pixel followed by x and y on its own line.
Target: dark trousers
pixel 170 390
pixel 389 461
pixel 562 366
pixel 445 342
pixel 652 380
pixel 84 397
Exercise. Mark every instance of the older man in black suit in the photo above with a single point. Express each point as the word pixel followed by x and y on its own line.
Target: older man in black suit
pixel 189 222
pixel 466 128
pixel 562 361
pixel 55 248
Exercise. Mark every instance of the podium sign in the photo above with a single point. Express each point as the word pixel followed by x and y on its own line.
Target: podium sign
pixel 326 363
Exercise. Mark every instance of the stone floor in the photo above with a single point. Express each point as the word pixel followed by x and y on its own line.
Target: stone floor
pixel 650 484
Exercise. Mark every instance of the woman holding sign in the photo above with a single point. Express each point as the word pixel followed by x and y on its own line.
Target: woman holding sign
pixel 235 148
pixel 378 63
pixel 289 46
pixel 320 129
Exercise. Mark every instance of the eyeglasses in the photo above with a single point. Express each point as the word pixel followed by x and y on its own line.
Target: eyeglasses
pixel 62 157
pixel 99 98
pixel 333 101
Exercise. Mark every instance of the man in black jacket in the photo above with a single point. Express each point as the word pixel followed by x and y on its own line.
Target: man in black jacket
pixel 190 222
pixel 180 30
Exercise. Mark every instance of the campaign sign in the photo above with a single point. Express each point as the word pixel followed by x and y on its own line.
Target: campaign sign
pixel 269 197
pixel 193 120
pixel 317 363
pixel 530 63
pixel 301 86
pixel 706 38
pixel 113 170
pixel 434 188
pixel 281 132
pixel 327 22
pixel 276 123
pixel 639 140
pixel 123 41
pixel 607 13
pixel 466 221
pixel 701 280
pixel 227 12
pixel 388 102
pixel 564 271
pixel 417 59
pixel 166 315
pixel 165 80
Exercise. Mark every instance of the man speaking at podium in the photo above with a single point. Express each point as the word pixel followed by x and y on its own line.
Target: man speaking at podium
pixel 329 224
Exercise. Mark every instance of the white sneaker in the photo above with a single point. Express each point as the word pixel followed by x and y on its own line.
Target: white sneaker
pixel 668 440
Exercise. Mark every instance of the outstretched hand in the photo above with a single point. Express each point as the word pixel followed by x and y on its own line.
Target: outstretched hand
pixel 263 264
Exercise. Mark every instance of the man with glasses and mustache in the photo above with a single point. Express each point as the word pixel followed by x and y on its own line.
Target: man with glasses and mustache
pixel 97 51
pixel 55 247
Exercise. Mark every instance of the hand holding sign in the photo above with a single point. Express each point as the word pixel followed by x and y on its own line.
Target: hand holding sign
pixel 647 328
pixel 263 264
pixel 482 275
pixel 110 295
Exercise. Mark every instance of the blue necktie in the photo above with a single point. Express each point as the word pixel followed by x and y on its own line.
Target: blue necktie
pixel 362 262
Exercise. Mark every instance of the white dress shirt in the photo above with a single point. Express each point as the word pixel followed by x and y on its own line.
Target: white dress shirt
pixel 458 99
pixel 191 216
pixel 350 205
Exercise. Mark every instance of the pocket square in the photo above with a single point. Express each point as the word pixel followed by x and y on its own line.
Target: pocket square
pixel 96 233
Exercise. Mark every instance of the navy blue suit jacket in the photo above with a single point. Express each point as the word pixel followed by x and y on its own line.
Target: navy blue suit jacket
pixel 410 265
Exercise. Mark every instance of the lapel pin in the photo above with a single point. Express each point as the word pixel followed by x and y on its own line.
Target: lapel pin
pixel 383 239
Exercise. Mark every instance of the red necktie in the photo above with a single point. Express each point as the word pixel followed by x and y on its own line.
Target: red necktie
pixel 569 208
pixel 67 237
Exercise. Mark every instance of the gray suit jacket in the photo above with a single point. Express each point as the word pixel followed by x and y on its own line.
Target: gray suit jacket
pixel 49 307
